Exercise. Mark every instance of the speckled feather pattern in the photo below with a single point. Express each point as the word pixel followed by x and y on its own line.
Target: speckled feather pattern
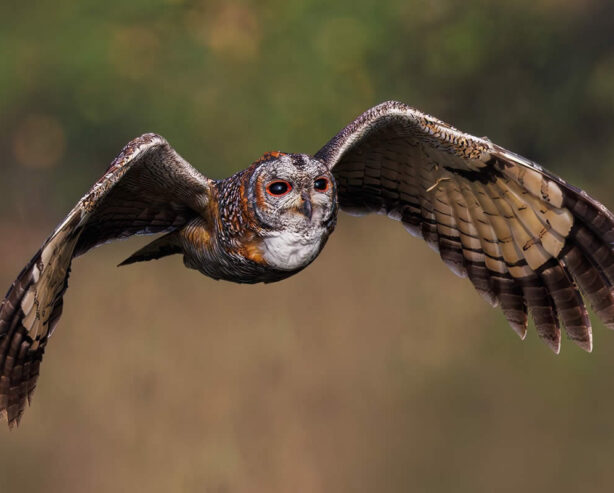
pixel 235 232
pixel 528 241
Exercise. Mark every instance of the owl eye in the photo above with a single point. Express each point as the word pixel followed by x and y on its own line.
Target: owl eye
pixel 321 184
pixel 278 188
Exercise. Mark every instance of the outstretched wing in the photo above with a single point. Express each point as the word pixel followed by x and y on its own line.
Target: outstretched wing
pixel 523 236
pixel 148 188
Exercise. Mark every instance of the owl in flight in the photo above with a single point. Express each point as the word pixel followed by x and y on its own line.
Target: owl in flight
pixel 526 239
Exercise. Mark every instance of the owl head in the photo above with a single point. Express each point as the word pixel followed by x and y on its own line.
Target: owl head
pixel 293 192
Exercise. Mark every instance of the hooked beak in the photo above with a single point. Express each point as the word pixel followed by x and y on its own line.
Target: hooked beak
pixel 305 207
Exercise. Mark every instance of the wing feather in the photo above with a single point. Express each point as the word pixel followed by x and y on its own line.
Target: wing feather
pixel 148 188
pixel 527 240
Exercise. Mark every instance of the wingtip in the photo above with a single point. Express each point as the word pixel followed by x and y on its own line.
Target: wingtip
pixel 555 345
pixel 4 418
pixel 489 297
pixel 587 345
pixel 520 329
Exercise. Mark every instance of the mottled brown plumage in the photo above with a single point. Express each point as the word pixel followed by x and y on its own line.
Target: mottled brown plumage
pixel 527 240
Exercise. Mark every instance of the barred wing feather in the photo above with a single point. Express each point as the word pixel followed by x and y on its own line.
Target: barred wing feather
pixel 525 238
pixel 148 188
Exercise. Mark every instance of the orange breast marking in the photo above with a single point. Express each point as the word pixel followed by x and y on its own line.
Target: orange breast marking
pixel 198 234
pixel 250 249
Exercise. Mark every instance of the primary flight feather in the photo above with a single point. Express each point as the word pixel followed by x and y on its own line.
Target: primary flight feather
pixel 527 240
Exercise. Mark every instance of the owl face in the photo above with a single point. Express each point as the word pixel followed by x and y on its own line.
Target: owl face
pixel 294 192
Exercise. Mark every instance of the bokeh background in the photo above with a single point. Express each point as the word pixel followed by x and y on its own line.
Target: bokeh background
pixel 373 370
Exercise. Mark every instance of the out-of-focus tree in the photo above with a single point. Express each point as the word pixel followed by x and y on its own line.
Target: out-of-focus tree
pixel 224 81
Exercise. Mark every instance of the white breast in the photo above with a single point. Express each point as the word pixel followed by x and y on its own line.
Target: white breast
pixel 288 250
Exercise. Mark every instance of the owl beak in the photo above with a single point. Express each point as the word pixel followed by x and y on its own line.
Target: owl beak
pixel 305 207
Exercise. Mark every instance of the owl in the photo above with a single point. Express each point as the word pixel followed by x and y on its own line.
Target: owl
pixel 528 241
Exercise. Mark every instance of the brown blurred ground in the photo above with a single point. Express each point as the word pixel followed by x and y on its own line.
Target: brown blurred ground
pixel 373 370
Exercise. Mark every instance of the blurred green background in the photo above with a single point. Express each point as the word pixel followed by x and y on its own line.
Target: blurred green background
pixel 375 369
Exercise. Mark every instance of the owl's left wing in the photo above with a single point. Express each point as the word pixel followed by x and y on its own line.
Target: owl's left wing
pixel 522 235
pixel 147 189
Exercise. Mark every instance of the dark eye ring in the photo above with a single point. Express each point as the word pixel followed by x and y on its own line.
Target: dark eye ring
pixel 278 188
pixel 321 184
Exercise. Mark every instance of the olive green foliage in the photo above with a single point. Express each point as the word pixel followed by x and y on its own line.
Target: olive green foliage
pixel 224 81
pixel 375 369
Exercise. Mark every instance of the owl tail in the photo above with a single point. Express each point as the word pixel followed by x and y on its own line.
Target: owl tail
pixel 160 247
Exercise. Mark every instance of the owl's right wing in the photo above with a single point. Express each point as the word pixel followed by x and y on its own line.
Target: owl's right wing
pixel 524 237
pixel 147 189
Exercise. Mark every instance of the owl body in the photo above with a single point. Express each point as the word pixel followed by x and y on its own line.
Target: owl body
pixel 253 235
